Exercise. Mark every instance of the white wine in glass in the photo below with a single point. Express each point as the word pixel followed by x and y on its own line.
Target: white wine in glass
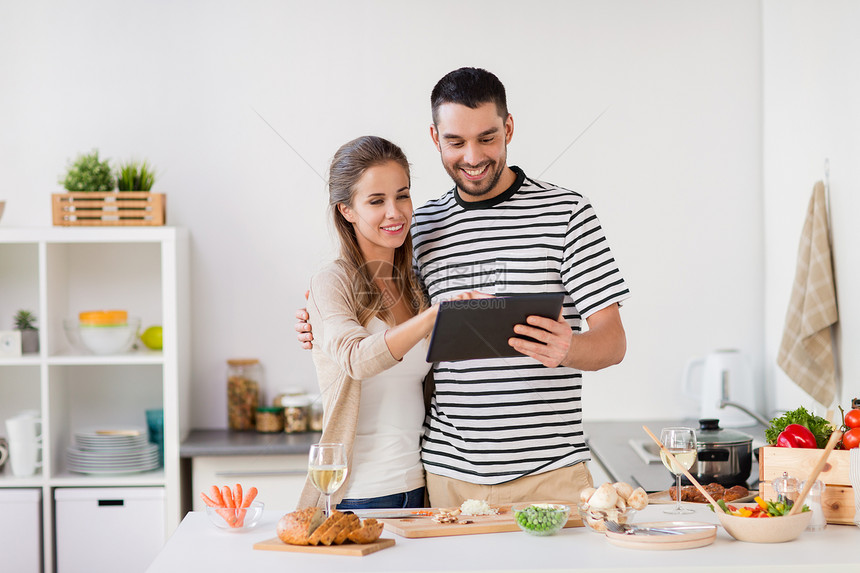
pixel 327 479
pixel 682 443
pixel 327 469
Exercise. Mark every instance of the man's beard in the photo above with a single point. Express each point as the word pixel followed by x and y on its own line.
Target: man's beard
pixel 468 187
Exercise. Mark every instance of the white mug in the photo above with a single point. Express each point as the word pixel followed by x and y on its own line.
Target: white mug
pixel 24 457
pixel 25 444
pixel 24 427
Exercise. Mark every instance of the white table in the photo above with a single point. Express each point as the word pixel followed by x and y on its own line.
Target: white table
pixel 197 545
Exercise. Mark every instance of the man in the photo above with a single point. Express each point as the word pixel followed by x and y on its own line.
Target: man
pixel 510 429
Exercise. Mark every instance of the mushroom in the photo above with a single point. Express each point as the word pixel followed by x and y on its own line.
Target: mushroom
pixel 638 500
pixel 604 498
pixel 585 494
pixel 624 489
pixel 596 524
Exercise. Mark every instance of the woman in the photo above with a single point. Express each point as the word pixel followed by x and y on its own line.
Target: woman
pixel 370 320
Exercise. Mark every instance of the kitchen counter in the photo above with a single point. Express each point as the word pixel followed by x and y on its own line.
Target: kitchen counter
pixel 232 443
pixel 610 444
pixel 197 545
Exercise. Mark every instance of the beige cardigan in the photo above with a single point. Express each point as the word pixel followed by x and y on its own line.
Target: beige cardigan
pixel 344 354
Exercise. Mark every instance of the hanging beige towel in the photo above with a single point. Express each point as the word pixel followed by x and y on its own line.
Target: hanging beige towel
pixel 806 351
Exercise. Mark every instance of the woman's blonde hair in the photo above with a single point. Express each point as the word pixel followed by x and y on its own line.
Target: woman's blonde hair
pixel 349 164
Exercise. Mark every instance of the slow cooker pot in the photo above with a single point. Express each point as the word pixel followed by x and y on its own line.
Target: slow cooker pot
pixel 723 456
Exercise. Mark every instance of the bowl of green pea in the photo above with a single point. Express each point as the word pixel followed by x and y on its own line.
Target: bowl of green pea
pixel 541 518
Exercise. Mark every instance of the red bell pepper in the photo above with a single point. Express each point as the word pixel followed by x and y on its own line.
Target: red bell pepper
pixel 796 436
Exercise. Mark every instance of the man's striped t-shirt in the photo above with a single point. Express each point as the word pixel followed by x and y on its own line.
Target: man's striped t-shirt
pixel 492 421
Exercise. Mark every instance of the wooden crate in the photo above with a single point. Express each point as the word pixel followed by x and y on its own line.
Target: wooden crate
pixel 125 208
pixel 838 497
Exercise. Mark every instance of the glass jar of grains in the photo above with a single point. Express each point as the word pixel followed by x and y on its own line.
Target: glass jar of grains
pixel 270 419
pixel 243 392
pixel 296 413
pixel 315 415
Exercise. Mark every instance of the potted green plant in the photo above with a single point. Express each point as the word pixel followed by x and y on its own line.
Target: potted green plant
pixel 25 321
pixel 89 173
pixel 135 176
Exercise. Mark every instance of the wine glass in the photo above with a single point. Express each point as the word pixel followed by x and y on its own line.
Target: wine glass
pixel 682 443
pixel 327 469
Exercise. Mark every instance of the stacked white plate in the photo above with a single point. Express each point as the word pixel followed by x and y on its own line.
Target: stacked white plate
pixel 112 451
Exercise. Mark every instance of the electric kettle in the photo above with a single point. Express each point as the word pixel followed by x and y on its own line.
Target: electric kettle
pixel 722 376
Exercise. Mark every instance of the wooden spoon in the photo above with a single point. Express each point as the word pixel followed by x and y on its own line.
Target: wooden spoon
pixel 798 504
pixel 686 473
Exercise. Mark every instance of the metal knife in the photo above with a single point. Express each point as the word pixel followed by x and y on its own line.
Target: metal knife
pixel 389 513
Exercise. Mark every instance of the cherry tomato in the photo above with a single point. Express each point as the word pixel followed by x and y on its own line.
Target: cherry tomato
pixel 851 439
pixel 852 418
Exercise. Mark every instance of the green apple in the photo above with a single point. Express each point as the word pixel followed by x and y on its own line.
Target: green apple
pixel 151 337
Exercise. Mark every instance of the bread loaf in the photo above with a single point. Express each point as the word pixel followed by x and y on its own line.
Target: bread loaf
pixel 311 527
pixel 350 524
pixel 369 531
pixel 336 528
pixel 297 527
pixel 325 527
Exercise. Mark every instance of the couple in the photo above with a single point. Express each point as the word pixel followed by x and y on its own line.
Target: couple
pixel 502 430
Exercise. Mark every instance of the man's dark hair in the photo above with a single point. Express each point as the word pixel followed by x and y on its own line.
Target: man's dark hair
pixel 471 87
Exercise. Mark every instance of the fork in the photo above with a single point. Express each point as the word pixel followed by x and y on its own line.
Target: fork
pixel 616 527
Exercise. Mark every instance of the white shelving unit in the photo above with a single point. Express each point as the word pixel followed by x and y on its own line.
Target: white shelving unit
pixel 58 272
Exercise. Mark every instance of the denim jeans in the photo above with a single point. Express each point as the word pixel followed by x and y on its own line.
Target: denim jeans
pixel 414 498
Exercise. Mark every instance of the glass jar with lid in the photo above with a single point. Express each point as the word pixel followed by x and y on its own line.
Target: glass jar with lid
pixel 296 413
pixel 315 415
pixel 270 419
pixel 243 392
pixel 287 392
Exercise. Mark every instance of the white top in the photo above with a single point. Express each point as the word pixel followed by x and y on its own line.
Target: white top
pixel 386 456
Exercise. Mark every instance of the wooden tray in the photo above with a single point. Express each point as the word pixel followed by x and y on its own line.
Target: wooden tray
pixel 665 542
pixel 359 549
pixel 420 527
pixel 124 208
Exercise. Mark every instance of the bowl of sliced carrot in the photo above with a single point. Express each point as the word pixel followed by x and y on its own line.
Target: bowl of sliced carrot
pixel 233 509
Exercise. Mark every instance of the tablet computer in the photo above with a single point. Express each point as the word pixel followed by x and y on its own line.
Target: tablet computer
pixel 480 328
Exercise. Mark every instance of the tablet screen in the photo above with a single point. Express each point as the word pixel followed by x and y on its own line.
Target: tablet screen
pixel 480 328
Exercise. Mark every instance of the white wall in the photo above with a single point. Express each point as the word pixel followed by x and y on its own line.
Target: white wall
pixel 673 165
pixel 811 113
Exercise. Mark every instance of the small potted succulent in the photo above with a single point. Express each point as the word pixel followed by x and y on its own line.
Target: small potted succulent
pixel 89 173
pixel 25 321
pixel 135 176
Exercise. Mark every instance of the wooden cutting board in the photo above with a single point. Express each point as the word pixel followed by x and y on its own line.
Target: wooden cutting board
pixel 498 523
pixel 350 548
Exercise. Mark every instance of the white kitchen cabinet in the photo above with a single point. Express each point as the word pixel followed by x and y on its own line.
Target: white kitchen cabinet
pixel 105 530
pixel 21 530
pixel 58 272
pixel 279 479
